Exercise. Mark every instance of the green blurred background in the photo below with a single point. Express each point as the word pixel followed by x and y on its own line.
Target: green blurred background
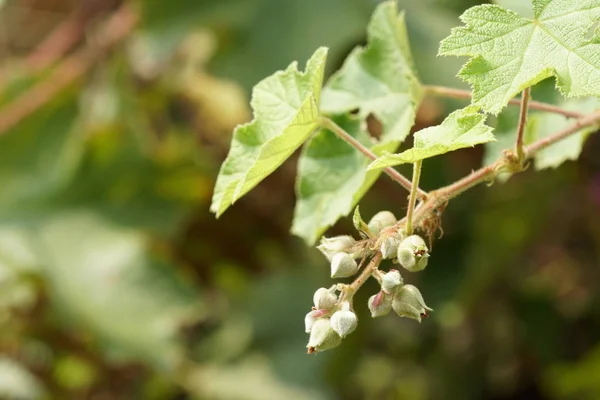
pixel 117 283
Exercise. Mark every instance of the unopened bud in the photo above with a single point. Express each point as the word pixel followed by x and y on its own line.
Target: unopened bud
pixel 322 337
pixel 344 322
pixel 408 302
pixel 311 318
pixel 391 281
pixel 380 304
pixel 381 220
pixel 413 253
pixel 324 299
pixel 389 247
pixel 330 246
pixel 343 265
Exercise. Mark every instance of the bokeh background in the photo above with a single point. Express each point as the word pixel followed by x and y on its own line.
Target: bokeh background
pixel 117 283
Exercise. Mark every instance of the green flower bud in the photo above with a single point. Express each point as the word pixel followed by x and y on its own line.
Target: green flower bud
pixel 389 247
pixel 344 322
pixel 322 337
pixel 380 304
pixel 330 246
pixel 381 220
pixel 324 299
pixel 408 302
pixel 312 317
pixel 391 281
pixel 413 253
pixel 343 265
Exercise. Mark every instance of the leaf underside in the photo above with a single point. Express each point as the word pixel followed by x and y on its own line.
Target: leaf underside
pixel 510 53
pixel 286 112
pixel 375 81
pixel 463 128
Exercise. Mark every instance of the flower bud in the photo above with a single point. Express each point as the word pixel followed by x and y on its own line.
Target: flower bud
pixel 324 299
pixel 322 337
pixel 330 246
pixel 389 247
pixel 380 304
pixel 408 302
pixel 311 318
pixel 344 322
pixel 413 253
pixel 381 220
pixel 391 281
pixel 343 265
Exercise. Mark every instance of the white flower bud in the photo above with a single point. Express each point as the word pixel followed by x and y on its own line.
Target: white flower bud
pixel 324 299
pixel 389 247
pixel 380 304
pixel 413 253
pixel 344 322
pixel 343 265
pixel 330 246
pixel 381 220
pixel 391 281
pixel 311 318
pixel 322 337
pixel 408 302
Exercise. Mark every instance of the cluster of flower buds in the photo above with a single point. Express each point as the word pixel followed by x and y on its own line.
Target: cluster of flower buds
pixel 332 318
pixel 329 322
pixel 405 300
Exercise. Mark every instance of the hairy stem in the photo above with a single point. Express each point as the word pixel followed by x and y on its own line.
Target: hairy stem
pixel 442 91
pixel 346 137
pixel 439 197
pixel 413 196
pixel 522 122
pixel 365 274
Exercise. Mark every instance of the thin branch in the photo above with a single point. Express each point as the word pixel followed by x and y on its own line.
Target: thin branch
pixel 391 172
pixel 522 123
pixel 366 273
pixel 438 197
pixel 442 91
pixel 119 25
pixel 413 196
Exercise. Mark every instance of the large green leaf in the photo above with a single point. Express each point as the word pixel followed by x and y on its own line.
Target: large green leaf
pixel 286 112
pixel 510 53
pixel 463 128
pixel 377 80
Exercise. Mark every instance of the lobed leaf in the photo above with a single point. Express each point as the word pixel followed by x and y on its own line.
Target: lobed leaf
pixel 463 128
pixel 286 112
pixel 510 53
pixel 377 80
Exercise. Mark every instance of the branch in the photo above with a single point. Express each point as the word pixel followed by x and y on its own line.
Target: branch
pixel 120 24
pixel 346 137
pixel 522 123
pixel 442 91
pixel 365 274
pixel 438 197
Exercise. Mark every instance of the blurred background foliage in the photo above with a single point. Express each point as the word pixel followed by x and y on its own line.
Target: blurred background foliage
pixel 117 283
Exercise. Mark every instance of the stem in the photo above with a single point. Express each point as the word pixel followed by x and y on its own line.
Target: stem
pixel 364 275
pixel 413 196
pixel 522 123
pixel 438 197
pixel 442 91
pixel 346 137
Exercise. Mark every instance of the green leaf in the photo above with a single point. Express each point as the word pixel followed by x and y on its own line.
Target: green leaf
pixel 463 128
pixel 377 80
pixel 286 112
pixel 359 224
pixel 542 125
pixel 510 53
